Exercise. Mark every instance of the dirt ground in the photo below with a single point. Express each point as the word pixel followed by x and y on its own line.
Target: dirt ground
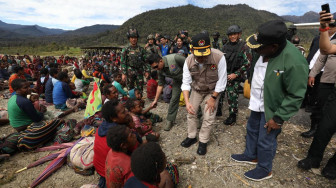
pixel 215 169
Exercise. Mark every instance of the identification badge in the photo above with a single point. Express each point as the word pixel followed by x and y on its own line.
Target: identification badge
pixel 213 67
pixel 278 72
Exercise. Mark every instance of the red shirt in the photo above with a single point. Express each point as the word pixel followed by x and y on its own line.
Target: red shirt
pixel 100 149
pixel 11 78
pixel 117 168
pixel 151 88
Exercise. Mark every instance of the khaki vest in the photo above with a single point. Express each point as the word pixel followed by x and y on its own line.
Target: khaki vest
pixel 204 80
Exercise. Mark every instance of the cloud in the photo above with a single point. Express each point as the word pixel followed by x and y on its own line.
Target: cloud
pixel 72 14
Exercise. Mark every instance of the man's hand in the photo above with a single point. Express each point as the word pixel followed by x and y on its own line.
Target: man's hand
pixel 123 77
pixel 190 109
pixel 311 81
pixel 232 76
pixel 271 125
pixel 153 104
pixel 146 74
pixel 323 16
pixel 211 102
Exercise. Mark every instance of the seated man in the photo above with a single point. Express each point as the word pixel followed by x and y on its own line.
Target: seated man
pixel 21 111
pixel 18 73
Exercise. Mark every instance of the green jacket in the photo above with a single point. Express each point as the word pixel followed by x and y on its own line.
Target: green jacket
pixel 285 83
pixel 173 68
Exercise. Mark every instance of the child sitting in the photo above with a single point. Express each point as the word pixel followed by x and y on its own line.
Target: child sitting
pixel 152 85
pixel 147 115
pixel 116 83
pixel 81 85
pixel 143 128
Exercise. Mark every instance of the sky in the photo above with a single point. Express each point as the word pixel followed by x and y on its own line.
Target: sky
pixel 73 14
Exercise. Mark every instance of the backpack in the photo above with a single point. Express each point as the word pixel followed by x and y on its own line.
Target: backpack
pixel 81 156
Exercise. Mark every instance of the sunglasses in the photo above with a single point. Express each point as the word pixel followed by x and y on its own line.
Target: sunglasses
pixel 156 66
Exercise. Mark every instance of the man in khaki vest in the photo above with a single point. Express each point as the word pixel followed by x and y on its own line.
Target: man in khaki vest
pixel 205 73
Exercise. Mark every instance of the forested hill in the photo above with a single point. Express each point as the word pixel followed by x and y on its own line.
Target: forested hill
pixel 194 19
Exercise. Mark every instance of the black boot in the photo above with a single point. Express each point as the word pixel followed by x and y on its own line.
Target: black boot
pixel 329 171
pixel 311 132
pixel 230 120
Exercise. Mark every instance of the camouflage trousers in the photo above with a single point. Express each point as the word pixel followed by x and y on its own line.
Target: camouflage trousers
pixel 232 95
pixel 135 79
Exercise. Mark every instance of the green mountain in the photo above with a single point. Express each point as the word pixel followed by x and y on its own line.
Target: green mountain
pixel 194 19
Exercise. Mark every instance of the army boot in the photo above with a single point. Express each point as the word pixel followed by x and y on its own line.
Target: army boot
pixel 169 125
pixel 230 120
pixel 311 132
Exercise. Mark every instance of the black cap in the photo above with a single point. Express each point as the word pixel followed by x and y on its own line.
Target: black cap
pixel 201 44
pixel 271 32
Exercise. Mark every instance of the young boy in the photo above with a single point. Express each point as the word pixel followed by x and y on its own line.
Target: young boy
pixel 152 85
pixel 148 115
pixel 116 83
pixel 144 127
pixel 118 162
pixel 81 85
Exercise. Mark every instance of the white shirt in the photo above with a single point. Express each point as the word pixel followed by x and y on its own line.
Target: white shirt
pixel 257 86
pixel 222 76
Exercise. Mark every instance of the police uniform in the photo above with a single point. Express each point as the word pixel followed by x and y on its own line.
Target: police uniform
pixel 173 68
pixel 133 66
pixel 204 79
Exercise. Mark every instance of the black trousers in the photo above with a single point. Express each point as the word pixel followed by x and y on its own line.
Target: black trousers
pixel 325 130
pixel 311 93
pixel 323 91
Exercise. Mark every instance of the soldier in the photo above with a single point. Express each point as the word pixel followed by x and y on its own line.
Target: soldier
pixel 133 62
pixel 205 73
pixel 150 47
pixel 238 56
pixel 168 66
pixel 215 42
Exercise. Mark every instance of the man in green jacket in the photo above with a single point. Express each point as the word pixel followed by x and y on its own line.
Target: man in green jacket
pixel 171 66
pixel 279 82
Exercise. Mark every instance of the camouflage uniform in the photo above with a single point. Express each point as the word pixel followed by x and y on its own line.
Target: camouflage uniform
pixel 133 66
pixel 152 49
pixel 238 65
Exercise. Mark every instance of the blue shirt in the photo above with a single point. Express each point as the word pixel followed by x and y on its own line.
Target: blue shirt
pixel 164 49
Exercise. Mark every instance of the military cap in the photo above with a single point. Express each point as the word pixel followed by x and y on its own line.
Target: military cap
pixel 271 32
pixel 201 44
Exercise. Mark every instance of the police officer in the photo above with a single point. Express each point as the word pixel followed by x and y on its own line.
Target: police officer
pixel 150 47
pixel 238 57
pixel 205 73
pixel 133 62
pixel 168 66
pixel 215 42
